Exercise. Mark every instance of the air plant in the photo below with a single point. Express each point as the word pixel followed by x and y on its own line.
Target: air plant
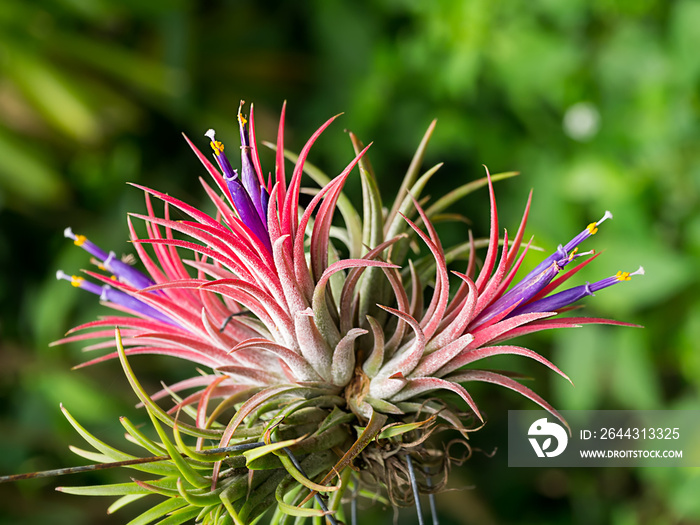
pixel 336 348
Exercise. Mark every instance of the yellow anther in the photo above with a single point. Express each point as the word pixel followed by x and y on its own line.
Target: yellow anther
pixel 217 146
pixel 79 240
pixel 76 281
pixel 242 119
pixel 114 277
pixel 623 276
pixel 572 254
pixel 592 228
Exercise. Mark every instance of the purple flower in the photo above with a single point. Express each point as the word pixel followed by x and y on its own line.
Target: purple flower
pixel 109 262
pixel 249 196
pixel 565 298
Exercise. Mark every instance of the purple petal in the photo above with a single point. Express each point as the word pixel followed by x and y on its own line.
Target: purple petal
pixel 86 244
pixel 520 294
pixel 126 273
pixel 247 212
pixel 107 293
pixel 560 300
pixel 248 175
pixel 563 253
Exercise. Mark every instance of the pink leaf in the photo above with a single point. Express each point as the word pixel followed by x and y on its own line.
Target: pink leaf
pixel 300 367
pixel 319 235
pixel 521 231
pixel 564 322
pixel 421 385
pixel 343 364
pixel 469 356
pixel 499 379
pixel 493 242
pixel 291 203
pixel 438 304
pixel 464 316
pixel 280 178
pixel 503 327
pixel 432 362
pixel 406 358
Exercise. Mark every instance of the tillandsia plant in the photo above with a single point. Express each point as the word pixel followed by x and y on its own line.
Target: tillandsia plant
pixel 336 348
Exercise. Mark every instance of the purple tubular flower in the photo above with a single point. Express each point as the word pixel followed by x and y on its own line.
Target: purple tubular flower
pixel 522 293
pixel 86 244
pixel 264 199
pixel 109 261
pixel 247 212
pixel 242 200
pixel 109 294
pixel 248 175
pixel 126 273
pixel 562 251
pixel 591 229
pixel 124 299
pixel 80 282
pixel 539 277
pixel 559 300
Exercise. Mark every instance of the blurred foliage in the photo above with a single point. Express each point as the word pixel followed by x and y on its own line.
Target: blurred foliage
pixel 596 103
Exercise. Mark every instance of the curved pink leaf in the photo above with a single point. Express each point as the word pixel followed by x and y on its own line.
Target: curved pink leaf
pixel 469 356
pixel 422 385
pixel 487 376
pixel 493 240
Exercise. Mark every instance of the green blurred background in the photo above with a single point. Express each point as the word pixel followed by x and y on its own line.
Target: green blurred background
pixel 596 102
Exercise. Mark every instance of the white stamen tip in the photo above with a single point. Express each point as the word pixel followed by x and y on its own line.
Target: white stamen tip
pixel 607 215
pixel 105 290
pixel 68 233
pixel 109 260
pixel 640 271
pixel 211 134
pixel 60 274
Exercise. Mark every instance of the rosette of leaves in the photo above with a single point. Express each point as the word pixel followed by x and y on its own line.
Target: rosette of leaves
pixel 338 347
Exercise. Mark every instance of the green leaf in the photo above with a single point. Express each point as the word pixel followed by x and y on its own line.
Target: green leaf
pixel 336 417
pixel 123 502
pixel 225 499
pixel 374 426
pixel 190 474
pixel 141 438
pixel 103 447
pixel 92 456
pixel 383 405
pixel 199 500
pixel 159 510
pixel 395 429
pixel 256 453
pixel 301 478
pixel 116 489
pixel 180 516
pixel 152 408
pixel 398 224
pixel 293 510
pixel 196 455
pixel 373 220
